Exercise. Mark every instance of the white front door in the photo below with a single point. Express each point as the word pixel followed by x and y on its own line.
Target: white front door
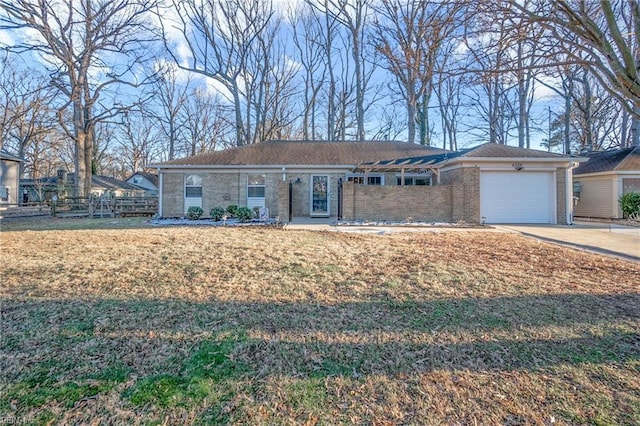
pixel 518 197
pixel 320 195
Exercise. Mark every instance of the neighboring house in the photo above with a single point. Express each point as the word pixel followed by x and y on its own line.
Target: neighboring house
pixel 9 178
pixel 42 189
pixel 148 181
pixel 600 182
pixel 374 181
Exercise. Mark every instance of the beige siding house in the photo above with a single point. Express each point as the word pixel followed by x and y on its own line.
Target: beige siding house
pixel 374 181
pixel 9 178
pixel 600 182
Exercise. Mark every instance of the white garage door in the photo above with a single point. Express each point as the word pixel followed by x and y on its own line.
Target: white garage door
pixel 517 197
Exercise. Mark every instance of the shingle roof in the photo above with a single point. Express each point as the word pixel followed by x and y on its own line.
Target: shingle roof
pixel 494 150
pixel 97 181
pixel 151 177
pixel 307 153
pixel 627 159
pixel 487 150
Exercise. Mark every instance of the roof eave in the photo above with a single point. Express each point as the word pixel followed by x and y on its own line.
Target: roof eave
pixel 253 166
pixel 519 159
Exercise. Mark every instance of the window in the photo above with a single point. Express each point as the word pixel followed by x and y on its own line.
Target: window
pixel 255 186
pixel 193 186
pixel 4 193
pixel 419 180
pixel 372 179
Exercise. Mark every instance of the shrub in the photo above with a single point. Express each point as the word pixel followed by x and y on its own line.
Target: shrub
pixel 217 213
pixel 244 214
pixel 232 210
pixel 630 204
pixel 194 212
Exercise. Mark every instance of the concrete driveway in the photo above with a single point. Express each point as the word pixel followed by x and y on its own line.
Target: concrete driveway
pixel 605 238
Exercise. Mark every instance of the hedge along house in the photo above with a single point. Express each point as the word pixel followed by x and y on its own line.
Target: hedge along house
pixel 601 181
pixel 290 178
pixel 393 181
pixel 490 183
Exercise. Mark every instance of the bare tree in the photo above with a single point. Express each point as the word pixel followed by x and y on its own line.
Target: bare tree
pixel 80 40
pixel 220 36
pixel 491 89
pixel 170 98
pixel 449 86
pixel 26 118
pixel 409 35
pixel 603 36
pixel 308 34
pixel 137 139
pixel 353 16
pixel 207 124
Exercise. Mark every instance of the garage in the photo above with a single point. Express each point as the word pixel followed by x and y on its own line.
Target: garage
pixel 517 197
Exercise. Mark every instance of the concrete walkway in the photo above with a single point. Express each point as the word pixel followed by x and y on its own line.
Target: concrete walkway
pixel 605 238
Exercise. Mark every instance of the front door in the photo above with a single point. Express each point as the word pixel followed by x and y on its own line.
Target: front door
pixel 319 195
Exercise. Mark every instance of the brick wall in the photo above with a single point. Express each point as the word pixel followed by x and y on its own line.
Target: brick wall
pixel 283 202
pixel 465 194
pixel 172 195
pixel 397 203
pixel 561 190
pixel 222 190
pixel 218 190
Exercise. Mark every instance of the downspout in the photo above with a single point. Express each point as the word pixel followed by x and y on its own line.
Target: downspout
pixel 569 190
pixel 159 193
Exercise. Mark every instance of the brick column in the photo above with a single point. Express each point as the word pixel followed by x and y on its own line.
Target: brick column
pixel 283 201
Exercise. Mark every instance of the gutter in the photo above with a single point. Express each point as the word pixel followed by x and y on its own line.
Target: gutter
pixel 253 166
pixel 160 181
pixel 569 190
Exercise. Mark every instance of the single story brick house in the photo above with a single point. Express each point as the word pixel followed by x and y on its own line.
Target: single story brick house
pixel 600 182
pixel 374 181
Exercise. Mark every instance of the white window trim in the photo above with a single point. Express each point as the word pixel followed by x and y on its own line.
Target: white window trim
pixel 362 175
pixel 414 176
pixel 328 213
pixel 256 201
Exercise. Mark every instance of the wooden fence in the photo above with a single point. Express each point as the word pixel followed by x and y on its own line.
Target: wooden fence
pixel 104 206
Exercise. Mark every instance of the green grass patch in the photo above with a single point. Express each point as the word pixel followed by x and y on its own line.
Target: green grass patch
pixel 307 395
pixel 206 374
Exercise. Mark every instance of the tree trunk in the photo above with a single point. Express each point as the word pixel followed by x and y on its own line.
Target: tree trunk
pixel 635 125
pixel 567 117
pixel 411 119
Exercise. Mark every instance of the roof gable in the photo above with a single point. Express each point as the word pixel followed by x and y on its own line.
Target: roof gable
pixel 626 159
pixel 342 153
pixel 150 177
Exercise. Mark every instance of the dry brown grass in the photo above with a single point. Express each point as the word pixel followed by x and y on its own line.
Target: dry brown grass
pixel 263 326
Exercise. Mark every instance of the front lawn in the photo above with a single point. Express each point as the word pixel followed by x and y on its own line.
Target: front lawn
pixel 265 326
